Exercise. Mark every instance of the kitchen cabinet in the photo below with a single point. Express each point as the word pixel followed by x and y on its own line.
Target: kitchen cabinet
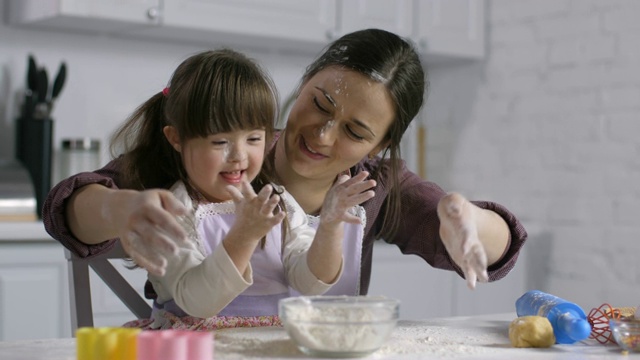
pixel 95 16
pixel 34 286
pixel 276 23
pixel 442 29
pixel 450 28
pixel 423 291
pixel 33 290
pixel 395 16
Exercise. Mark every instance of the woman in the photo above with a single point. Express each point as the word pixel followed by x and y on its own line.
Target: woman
pixel 354 102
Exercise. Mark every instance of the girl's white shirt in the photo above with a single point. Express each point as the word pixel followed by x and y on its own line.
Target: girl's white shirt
pixel 202 279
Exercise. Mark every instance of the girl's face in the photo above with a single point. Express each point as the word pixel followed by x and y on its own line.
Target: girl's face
pixel 339 117
pixel 215 161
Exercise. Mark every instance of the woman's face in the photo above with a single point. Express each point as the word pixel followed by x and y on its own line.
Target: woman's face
pixel 215 161
pixel 339 117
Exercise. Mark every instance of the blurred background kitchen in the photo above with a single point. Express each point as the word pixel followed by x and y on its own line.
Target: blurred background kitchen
pixel 534 104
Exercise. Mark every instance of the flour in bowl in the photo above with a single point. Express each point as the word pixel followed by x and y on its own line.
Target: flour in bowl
pixel 339 327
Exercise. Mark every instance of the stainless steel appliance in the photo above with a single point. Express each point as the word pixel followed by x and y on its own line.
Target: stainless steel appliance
pixel 17 195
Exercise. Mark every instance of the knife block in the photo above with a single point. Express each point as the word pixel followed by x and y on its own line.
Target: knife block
pixel 34 140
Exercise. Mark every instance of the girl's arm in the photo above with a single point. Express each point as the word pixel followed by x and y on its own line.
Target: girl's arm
pixel 255 217
pixel 201 286
pixel 313 259
pixel 325 255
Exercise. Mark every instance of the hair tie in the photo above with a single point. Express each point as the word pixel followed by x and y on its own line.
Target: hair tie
pixel 165 91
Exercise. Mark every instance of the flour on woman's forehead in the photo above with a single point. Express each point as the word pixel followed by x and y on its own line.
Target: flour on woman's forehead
pixel 377 77
pixel 341 86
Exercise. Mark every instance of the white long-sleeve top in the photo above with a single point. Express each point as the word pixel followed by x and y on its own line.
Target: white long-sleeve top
pixel 203 281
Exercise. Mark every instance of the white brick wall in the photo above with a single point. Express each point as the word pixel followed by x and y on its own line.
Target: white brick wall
pixel 549 125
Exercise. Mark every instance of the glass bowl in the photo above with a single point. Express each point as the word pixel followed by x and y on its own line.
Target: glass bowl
pixel 339 326
pixel 626 332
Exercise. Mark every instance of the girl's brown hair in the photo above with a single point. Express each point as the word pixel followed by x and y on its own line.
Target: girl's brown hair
pixel 210 92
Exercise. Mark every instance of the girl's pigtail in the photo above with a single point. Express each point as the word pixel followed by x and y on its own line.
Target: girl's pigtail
pixel 143 142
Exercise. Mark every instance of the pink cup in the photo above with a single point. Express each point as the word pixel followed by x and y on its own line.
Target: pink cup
pixel 175 345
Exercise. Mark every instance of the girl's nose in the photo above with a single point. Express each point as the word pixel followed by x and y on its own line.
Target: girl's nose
pixel 236 153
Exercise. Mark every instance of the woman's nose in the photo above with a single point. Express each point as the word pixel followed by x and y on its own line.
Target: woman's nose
pixel 326 131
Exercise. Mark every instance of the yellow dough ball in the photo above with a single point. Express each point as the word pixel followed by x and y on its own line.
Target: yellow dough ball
pixel 531 331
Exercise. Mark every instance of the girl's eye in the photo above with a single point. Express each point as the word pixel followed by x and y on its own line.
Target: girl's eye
pixel 255 139
pixel 317 104
pixel 219 142
pixel 353 134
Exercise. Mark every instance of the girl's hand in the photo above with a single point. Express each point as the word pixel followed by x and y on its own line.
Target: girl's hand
pixel 151 228
pixel 255 215
pixel 459 234
pixel 343 195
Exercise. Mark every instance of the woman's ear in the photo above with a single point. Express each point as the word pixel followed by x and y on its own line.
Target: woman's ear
pixel 172 136
pixel 383 145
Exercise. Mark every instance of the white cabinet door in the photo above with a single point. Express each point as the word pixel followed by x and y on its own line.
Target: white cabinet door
pixel 450 28
pixel 108 309
pixel 87 15
pixel 423 291
pixel 394 16
pixel 311 21
pixel 33 291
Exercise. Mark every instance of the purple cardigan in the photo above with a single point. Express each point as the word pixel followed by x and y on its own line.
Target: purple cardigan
pixel 418 231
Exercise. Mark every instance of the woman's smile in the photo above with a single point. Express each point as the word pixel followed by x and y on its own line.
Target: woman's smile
pixel 307 150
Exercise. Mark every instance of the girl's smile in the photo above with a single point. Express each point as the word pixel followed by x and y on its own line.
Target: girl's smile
pixel 216 161
pixel 232 177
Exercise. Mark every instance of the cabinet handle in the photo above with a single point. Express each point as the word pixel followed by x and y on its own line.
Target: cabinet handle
pixel 153 13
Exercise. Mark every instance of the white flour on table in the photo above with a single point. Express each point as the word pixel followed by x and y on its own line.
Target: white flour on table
pixel 441 342
pixel 408 340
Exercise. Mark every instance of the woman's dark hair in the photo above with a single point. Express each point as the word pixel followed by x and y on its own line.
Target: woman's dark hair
pixel 210 92
pixel 388 59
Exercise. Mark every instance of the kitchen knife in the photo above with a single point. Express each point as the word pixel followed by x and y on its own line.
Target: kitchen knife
pixel 31 92
pixel 41 110
pixel 32 74
pixel 59 81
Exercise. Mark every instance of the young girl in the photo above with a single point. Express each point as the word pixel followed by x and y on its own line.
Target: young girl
pixel 210 127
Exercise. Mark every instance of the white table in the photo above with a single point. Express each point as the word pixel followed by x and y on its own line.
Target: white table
pixel 476 337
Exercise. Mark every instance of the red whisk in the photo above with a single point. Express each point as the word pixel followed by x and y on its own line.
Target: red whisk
pixel 599 320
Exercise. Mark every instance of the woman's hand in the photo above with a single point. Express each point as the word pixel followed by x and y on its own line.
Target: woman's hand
pixel 459 233
pixel 150 227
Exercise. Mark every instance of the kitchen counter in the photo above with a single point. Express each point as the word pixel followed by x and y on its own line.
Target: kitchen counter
pixel 23 231
pixel 476 337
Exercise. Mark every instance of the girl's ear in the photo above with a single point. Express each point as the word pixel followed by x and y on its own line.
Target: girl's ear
pixel 172 136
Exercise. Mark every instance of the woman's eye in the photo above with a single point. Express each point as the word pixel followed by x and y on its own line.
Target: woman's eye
pixel 353 134
pixel 317 104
